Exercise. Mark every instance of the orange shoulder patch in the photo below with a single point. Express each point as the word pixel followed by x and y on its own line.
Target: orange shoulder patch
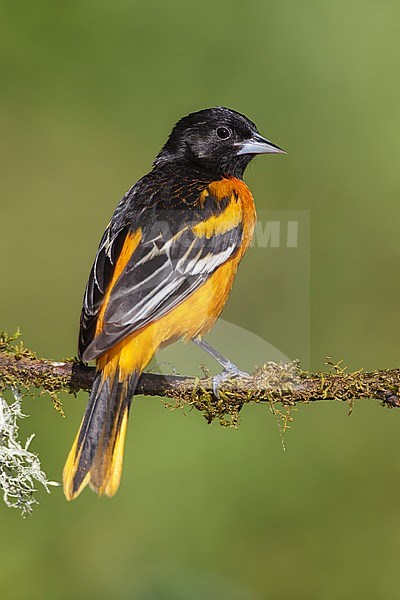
pixel 240 200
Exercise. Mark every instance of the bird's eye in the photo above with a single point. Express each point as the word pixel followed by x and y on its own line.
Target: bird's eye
pixel 223 133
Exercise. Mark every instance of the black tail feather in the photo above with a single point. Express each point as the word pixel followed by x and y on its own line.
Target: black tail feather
pixel 96 456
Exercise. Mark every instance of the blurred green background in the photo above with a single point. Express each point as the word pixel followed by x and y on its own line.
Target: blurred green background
pixel 89 92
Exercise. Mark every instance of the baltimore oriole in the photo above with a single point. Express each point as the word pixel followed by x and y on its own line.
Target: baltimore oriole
pixel 163 271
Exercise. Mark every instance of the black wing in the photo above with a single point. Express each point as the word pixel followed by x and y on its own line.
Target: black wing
pixel 172 260
pixel 98 282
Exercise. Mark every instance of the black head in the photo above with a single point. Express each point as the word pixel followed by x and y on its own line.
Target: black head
pixel 218 141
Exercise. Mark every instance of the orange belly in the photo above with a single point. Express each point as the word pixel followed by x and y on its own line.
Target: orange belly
pixel 198 313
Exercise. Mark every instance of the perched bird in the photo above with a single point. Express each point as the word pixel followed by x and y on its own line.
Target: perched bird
pixel 163 271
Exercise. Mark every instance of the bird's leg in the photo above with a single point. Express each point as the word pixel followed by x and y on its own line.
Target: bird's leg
pixel 230 369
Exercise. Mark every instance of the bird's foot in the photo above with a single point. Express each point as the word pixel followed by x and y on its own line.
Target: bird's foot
pixel 230 371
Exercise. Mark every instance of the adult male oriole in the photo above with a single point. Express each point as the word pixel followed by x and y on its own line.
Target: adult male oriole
pixel 163 271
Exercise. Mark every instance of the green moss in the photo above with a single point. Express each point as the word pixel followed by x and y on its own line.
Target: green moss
pixel 8 343
pixel 273 382
pixel 12 344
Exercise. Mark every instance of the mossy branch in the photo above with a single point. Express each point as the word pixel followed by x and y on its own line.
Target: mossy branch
pixel 284 383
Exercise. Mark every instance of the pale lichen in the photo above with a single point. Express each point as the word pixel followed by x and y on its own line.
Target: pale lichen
pixel 20 469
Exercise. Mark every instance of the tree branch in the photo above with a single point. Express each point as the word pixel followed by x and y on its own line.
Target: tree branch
pixel 284 383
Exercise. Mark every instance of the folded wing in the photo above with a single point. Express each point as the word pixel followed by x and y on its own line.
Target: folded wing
pixel 174 256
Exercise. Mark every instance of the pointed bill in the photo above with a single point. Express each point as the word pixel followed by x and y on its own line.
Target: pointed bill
pixel 258 145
